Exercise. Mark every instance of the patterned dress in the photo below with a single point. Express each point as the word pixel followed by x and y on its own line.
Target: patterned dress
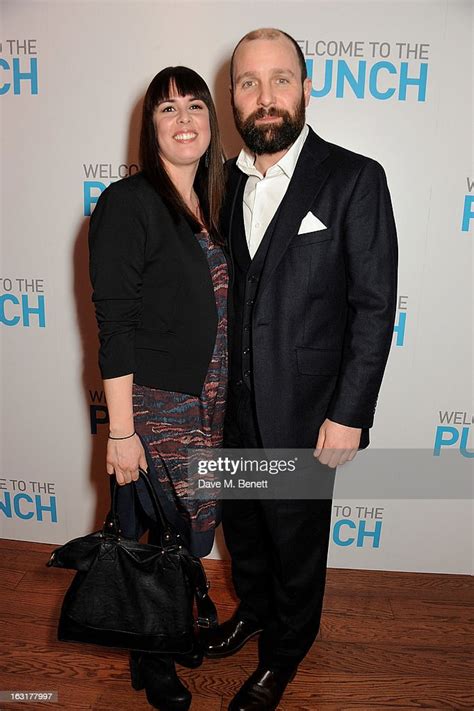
pixel 170 422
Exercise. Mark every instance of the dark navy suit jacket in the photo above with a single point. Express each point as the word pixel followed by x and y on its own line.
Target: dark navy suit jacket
pixel 324 312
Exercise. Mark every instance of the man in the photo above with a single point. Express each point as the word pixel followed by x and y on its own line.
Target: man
pixel 314 260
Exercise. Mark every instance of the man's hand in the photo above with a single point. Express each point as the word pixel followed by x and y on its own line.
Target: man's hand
pixel 336 443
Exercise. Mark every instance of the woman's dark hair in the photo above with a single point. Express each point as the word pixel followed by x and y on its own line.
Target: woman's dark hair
pixel 209 181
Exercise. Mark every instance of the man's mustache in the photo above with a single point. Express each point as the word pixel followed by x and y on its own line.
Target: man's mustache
pixel 263 113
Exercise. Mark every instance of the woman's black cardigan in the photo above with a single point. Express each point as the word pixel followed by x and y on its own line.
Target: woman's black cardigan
pixel 152 290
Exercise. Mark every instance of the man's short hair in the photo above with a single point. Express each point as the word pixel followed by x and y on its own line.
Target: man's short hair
pixel 270 33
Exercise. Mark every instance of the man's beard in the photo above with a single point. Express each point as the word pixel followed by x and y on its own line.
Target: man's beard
pixel 275 137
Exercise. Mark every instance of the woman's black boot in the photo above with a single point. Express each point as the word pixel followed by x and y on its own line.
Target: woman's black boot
pixel 156 674
pixel 192 659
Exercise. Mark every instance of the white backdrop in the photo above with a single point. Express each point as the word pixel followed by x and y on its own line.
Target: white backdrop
pixel 392 80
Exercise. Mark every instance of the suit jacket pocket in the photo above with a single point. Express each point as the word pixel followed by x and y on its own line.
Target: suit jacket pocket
pixel 318 361
pixel 311 238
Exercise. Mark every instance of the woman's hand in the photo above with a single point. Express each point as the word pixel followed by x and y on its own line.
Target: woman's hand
pixel 124 456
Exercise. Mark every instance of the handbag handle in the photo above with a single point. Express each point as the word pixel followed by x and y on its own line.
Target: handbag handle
pixel 168 536
pixel 112 524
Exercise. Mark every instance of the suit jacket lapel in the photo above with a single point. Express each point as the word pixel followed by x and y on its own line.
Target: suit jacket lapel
pixel 310 174
pixel 231 204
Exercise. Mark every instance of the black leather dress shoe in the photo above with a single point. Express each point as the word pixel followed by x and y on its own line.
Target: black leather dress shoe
pixel 224 640
pixel 263 690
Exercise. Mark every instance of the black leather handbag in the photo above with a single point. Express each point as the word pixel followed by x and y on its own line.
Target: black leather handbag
pixel 132 595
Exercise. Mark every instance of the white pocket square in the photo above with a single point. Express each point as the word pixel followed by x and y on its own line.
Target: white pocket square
pixel 310 223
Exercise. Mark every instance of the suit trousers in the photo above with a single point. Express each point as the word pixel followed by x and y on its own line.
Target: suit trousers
pixel 278 550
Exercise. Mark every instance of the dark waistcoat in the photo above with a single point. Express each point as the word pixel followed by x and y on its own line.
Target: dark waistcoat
pixel 247 273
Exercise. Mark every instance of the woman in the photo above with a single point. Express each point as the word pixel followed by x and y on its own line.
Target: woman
pixel 159 277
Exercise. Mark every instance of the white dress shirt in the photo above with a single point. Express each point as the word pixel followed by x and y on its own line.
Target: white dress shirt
pixel 263 194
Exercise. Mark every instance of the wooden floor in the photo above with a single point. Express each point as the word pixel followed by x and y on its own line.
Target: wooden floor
pixel 388 641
